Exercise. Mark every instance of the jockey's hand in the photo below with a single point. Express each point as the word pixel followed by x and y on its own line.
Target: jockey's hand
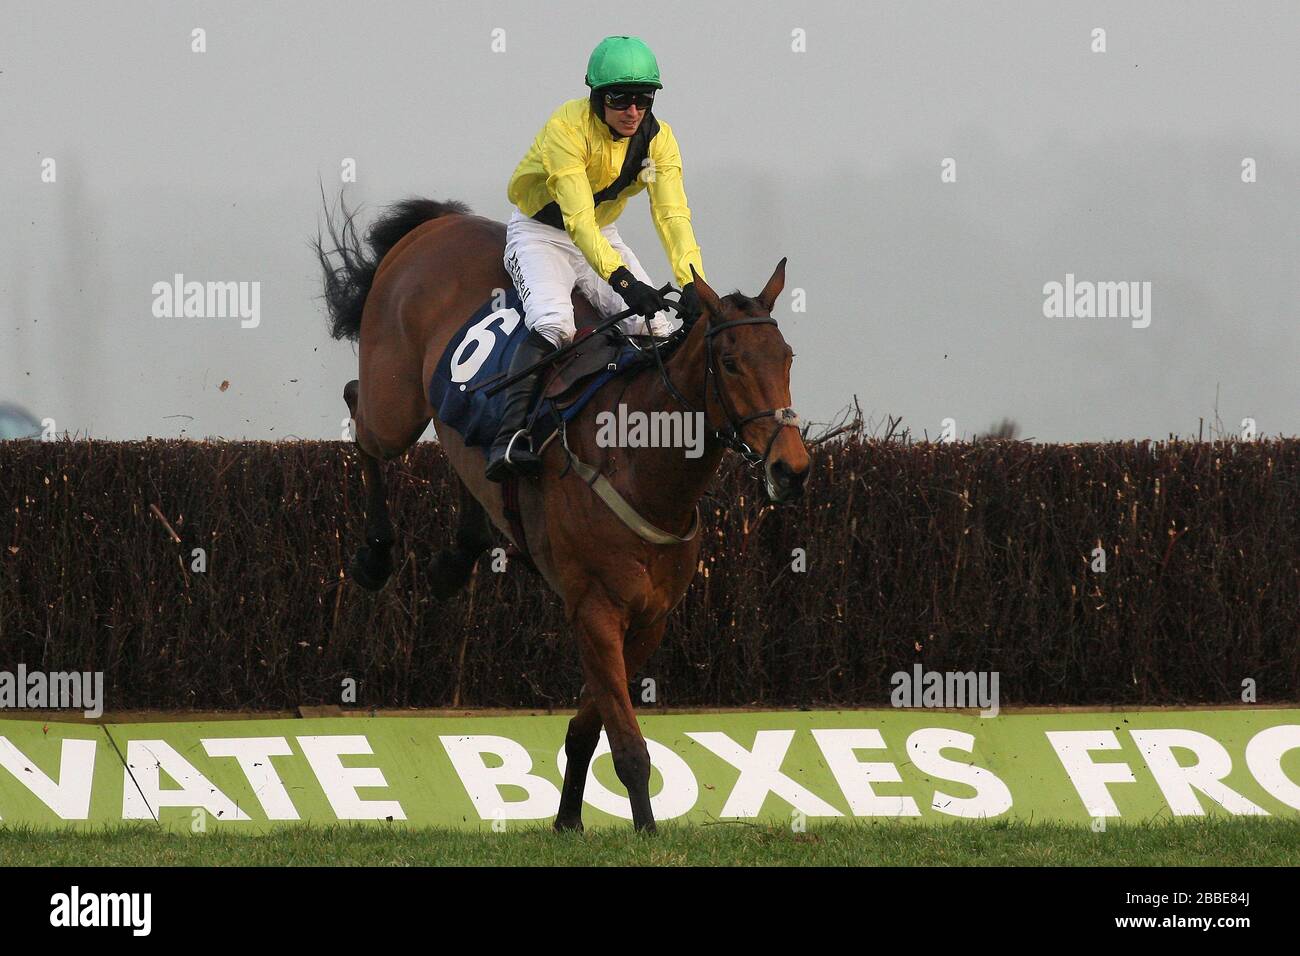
pixel 688 304
pixel 645 299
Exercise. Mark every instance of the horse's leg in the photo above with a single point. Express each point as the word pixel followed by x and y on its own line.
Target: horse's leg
pixel 601 628
pixel 579 744
pixel 373 563
pixel 584 729
pixel 453 566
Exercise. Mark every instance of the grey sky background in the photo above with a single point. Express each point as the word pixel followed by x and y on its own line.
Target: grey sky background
pixel 924 299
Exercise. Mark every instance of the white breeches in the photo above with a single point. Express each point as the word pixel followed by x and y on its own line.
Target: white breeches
pixel 546 267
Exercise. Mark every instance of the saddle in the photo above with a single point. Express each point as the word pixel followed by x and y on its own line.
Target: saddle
pixel 563 384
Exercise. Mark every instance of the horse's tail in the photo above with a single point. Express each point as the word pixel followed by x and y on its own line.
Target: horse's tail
pixel 347 283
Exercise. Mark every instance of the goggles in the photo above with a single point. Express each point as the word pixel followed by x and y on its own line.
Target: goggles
pixel 622 99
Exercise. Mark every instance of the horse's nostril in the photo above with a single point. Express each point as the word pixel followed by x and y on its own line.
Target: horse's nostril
pixel 788 483
pixel 789 476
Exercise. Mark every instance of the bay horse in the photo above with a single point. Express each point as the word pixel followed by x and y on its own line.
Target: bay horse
pixel 430 265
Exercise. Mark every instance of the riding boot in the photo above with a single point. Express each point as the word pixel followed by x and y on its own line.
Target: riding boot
pixel 511 452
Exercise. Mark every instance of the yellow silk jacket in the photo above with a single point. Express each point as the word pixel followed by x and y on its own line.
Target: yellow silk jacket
pixel 574 157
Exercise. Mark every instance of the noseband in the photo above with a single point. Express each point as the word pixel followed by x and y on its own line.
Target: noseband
pixel 730 433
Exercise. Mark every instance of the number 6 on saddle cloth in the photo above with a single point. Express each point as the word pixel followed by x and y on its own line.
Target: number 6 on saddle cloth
pixel 480 353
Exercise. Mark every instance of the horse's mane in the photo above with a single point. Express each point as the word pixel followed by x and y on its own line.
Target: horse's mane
pixel 738 298
pixel 743 302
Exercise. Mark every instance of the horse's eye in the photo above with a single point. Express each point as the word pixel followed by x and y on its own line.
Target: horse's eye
pixel 729 364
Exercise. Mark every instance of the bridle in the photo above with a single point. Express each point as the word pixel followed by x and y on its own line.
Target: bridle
pixel 730 433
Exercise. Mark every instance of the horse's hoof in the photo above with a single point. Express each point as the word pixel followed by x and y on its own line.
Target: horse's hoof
pixel 369 570
pixel 565 826
pixel 450 572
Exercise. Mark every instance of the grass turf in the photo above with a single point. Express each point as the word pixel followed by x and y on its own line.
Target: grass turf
pixel 1202 842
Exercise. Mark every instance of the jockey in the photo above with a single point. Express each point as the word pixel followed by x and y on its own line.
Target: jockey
pixel 591 156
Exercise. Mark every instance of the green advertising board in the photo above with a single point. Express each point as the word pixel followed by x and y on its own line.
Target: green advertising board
pixel 804 767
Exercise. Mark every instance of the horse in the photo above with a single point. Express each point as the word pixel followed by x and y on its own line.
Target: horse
pixel 429 266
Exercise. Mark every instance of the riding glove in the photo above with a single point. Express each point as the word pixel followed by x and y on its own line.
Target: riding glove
pixel 637 294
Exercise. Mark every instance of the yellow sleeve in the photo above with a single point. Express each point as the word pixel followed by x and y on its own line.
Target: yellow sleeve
pixel 564 157
pixel 672 217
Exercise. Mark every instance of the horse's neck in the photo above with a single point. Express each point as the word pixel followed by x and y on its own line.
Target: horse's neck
pixel 665 484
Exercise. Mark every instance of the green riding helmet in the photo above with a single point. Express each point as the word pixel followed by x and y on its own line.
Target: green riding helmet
pixel 622 60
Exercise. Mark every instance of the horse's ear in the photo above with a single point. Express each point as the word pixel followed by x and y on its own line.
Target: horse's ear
pixel 773 287
pixel 708 297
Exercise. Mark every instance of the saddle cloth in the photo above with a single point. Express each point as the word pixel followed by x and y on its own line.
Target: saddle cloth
pixel 482 350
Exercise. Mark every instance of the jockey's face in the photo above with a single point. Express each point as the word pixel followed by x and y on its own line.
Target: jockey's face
pixel 625 121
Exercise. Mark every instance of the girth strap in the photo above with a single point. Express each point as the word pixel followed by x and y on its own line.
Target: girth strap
pixel 619 505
